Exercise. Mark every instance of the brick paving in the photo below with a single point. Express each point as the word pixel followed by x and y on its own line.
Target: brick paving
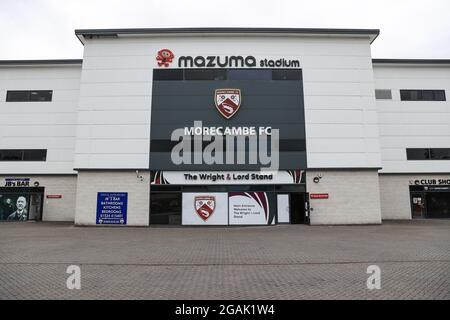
pixel 278 262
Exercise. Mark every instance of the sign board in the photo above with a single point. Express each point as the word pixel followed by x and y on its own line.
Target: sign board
pixel 431 182
pixel 205 208
pixel 319 196
pixel 17 182
pixel 112 207
pixel 167 57
pixel 248 208
pixel 228 177
pixel 14 206
pixel 54 196
pixel 431 188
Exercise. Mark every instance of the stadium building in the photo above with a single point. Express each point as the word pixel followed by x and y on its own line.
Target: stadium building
pixel 224 126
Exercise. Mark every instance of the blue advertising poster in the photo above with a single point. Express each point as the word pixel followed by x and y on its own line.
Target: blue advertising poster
pixel 112 207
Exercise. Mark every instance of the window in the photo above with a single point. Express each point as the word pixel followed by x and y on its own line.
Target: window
pixel 289 145
pixel 34 155
pixel 11 155
pixel 286 74
pixel 226 74
pixel 440 154
pixel 383 94
pixel 428 154
pixel 418 154
pixel 439 95
pixel 23 155
pixel 249 74
pixel 29 95
pixel 165 208
pixel 13 96
pixel 208 74
pixel 422 95
pixel 168 74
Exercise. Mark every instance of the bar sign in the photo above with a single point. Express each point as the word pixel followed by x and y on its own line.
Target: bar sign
pixel 318 196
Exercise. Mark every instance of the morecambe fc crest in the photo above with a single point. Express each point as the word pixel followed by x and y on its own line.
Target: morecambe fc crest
pixel 204 206
pixel 228 101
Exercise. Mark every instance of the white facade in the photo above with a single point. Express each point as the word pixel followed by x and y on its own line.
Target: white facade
pixel 115 96
pixel 40 125
pixel 96 129
pixel 412 124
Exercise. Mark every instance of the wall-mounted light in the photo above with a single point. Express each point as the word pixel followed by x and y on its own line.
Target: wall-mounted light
pixel 36 184
pixel 317 178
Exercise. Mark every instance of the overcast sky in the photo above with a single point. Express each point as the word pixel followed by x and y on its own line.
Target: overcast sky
pixel 44 29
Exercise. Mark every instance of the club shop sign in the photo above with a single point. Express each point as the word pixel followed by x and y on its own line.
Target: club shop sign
pixel 432 182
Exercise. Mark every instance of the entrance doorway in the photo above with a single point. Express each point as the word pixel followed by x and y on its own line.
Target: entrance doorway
pixel 165 208
pixel 430 202
pixel 438 204
pixel 36 203
pixel 298 205
pixel 418 205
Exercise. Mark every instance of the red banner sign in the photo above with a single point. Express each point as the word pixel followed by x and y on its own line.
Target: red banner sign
pixel 54 196
pixel 318 196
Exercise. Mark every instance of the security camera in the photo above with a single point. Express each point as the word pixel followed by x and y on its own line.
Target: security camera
pixel 139 176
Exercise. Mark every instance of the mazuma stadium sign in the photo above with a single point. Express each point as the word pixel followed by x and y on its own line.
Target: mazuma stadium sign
pixel 165 57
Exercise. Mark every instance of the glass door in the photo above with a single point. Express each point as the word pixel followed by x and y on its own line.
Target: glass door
pixel 35 211
pixel 418 205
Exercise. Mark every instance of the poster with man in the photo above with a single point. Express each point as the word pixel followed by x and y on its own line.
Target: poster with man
pixel 14 207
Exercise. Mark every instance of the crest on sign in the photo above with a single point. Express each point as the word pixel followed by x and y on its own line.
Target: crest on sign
pixel 228 101
pixel 205 206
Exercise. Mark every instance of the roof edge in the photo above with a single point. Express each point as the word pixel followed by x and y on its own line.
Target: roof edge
pixel 411 61
pixel 81 33
pixel 41 62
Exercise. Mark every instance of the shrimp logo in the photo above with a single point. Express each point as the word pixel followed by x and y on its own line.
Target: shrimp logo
pixel 205 206
pixel 228 101
pixel 164 57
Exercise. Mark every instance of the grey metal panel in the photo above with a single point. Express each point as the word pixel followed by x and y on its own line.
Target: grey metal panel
pixel 278 104
pixel 288 161
pixel 248 87
pixel 289 131
pixel 251 102
pixel 243 117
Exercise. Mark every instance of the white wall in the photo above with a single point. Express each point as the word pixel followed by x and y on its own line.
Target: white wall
pixel 56 209
pixel 89 183
pixel 115 98
pixel 412 124
pixel 40 125
pixel 395 194
pixel 354 197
